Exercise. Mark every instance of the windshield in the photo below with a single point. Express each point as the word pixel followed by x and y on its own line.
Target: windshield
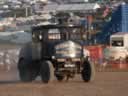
pixel 118 43
pixel 66 34
pixel 58 32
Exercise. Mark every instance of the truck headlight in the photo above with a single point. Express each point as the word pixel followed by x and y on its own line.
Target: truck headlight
pixel 72 55
pixel 40 37
pixel 53 57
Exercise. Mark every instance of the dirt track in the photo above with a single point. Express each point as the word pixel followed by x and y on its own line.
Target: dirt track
pixel 105 84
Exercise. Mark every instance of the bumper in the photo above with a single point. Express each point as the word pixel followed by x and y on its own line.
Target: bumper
pixel 64 59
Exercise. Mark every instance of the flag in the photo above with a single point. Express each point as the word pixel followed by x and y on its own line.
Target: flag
pixel 106 12
pixel 90 19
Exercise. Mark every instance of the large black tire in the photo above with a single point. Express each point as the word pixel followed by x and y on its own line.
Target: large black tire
pixel 59 78
pixel 26 72
pixel 47 71
pixel 88 71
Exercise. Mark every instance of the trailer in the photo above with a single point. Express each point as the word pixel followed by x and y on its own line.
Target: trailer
pixel 119 45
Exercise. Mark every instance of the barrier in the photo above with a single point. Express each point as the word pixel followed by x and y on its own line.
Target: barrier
pixel 96 54
pixel 8 58
pixel 119 64
pixel 99 55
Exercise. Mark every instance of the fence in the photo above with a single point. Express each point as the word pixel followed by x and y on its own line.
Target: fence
pixel 100 57
pixel 8 58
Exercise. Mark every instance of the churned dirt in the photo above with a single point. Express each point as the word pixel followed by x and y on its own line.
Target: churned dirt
pixel 105 84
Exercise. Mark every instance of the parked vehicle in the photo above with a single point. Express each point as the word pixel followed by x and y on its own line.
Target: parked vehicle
pixel 119 46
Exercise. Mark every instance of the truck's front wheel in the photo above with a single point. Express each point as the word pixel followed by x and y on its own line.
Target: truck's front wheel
pixel 88 71
pixel 46 71
pixel 59 77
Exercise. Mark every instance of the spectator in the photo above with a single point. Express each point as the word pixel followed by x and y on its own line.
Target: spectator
pixel 86 54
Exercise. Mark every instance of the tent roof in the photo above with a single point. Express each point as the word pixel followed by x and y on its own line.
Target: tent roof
pixel 71 7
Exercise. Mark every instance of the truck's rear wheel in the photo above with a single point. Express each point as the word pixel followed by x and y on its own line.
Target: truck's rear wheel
pixel 25 73
pixel 46 71
pixel 59 77
pixel 88 71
